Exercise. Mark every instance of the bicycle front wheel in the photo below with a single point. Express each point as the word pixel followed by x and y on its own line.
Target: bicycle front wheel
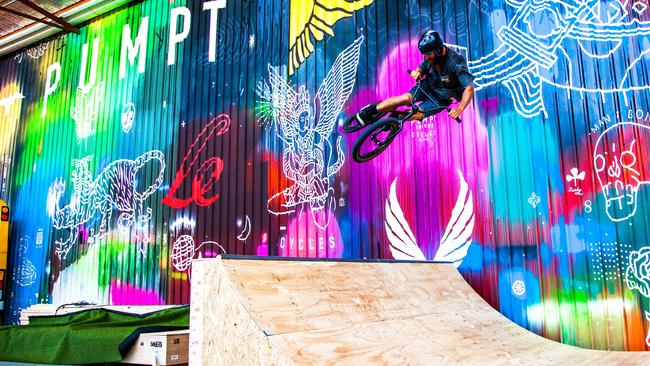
pixel 352 124
pixel 376 139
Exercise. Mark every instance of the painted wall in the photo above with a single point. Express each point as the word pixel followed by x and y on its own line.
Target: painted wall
pixel 170 130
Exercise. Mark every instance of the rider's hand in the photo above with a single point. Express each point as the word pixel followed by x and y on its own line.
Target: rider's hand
pixel 416 75
pixel 455 113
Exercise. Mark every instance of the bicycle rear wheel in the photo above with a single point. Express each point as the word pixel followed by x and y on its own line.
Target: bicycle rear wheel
pixel 376 139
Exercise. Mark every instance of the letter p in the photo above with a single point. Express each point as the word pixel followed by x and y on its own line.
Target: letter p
pixel 51 84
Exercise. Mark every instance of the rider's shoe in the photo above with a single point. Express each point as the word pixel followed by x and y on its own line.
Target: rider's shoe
pixel 368 114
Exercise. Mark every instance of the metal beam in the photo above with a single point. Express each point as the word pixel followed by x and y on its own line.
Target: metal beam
pixel 31 17
pixel 80 12
pixel 64 24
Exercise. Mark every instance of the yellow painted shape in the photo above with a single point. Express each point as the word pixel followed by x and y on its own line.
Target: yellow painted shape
pixel 11 100
pixel 313 19
pixel 4 240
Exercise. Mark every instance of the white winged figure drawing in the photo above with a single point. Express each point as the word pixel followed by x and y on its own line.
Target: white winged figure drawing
pixel 308 157
pixel 455 241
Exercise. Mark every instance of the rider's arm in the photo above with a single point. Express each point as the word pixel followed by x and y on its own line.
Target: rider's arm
pixel 465 78
pixel 417 74
pixel 468 94
pixel 420 71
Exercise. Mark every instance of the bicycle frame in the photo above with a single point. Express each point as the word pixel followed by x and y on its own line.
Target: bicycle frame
pixel 392 123
pixel 413 105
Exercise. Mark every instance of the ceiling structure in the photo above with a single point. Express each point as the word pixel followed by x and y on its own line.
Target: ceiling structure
pixel 24 22
pixel 11 22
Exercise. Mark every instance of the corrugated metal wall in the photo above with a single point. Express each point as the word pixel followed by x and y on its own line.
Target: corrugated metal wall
pixel 120 183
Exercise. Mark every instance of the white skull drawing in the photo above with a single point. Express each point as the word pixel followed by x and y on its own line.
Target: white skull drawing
pixel 618 169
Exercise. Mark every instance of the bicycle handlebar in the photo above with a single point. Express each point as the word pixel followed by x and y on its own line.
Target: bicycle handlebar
pixel 409 71
pixel 447 109
pixel 457 118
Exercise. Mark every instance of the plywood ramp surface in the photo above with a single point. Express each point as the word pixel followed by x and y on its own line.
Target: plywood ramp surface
pixel 274 312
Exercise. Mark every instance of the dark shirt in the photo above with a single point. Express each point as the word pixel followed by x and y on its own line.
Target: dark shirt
pixel 453 78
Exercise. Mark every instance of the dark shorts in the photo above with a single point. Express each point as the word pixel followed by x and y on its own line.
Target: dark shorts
pixel 430 103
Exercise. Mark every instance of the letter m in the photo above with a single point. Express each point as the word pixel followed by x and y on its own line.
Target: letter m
pixel 133 49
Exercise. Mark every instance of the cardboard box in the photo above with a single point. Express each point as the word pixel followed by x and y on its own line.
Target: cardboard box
pixel 163 348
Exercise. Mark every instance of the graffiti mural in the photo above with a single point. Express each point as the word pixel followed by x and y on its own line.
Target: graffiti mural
pixel 184 250
pixel 536 44
pixel 455 241
pixel 85 110
pixel 169 131
pixel 308 158
pixel 619 172
pixel 128 115
pixel 246 230
pixel 25 274
pixel 37 51
pixel 637 276
pixel 7 102
pixel 207 173
pixel 311 20
pixel 113 189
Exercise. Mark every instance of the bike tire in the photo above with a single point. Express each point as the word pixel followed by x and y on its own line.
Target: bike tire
pixel 390 125
pixel 352 124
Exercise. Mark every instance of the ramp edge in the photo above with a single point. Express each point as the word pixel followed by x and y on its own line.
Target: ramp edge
pixel 222 332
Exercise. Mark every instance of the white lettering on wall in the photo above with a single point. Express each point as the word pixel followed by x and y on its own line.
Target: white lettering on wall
pixel 174 37
pixel 134 49
pixel 51 84
pixel 213 6
pixel 83 85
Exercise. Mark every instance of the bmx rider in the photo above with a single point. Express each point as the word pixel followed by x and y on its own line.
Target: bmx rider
pixel 445 76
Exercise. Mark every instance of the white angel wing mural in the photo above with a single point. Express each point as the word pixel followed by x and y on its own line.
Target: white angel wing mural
pixel 457 238
pixel 336 88
pixel 308 158
pixel 402 241
pixel 455 241
pixel 284 101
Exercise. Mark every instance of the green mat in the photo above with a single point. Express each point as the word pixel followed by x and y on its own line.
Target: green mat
pixel 90 336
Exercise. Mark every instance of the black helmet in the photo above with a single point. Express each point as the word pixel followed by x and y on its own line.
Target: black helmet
pixel 430 42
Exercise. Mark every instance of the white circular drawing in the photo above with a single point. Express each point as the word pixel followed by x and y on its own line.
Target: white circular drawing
pixel 518 287
pixel 182 253
pixel 128 115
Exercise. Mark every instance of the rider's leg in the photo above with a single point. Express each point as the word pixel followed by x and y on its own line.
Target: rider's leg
pixel 367 114
pixel 419 116
pixel 372 112
pixel 429 105
pixel 392 103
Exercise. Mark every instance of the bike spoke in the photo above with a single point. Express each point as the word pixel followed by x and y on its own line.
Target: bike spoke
pixel 385 135
pixel 376 140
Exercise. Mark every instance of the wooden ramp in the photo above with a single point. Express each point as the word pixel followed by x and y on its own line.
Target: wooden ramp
pixel 285 312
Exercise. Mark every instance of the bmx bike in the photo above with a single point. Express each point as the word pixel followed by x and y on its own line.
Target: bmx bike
pixel 379 134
